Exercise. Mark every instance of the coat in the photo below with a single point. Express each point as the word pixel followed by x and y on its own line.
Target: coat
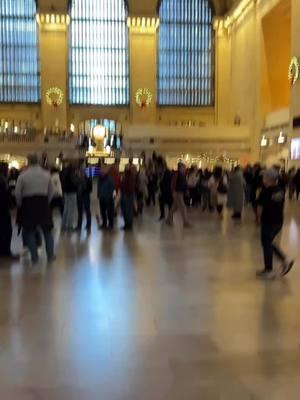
pixel 236 191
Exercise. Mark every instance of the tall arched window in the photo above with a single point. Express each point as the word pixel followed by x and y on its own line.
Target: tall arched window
pixel 186 53
pixel 19 54
pixel 99 59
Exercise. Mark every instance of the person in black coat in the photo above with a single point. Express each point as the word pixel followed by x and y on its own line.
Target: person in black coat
pixel 165 193
pixel 5 218
pixel 85 188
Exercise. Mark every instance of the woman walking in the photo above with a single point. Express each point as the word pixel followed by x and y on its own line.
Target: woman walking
pixel 236 193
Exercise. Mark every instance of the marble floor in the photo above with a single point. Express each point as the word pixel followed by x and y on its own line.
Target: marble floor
pixel 162 314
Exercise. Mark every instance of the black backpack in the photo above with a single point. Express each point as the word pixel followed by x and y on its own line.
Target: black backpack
pixel 222 189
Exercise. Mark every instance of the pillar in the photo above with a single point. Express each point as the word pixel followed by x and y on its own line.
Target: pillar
pixel 54 67
pixel 143 66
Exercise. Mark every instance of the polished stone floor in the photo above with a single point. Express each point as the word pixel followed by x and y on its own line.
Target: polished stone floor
pixel 162 314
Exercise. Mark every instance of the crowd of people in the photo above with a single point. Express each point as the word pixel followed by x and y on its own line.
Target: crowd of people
pixel 38 190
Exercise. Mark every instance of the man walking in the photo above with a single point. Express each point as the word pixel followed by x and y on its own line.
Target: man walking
pixel 34 192
pixel 179 188
pixel 271 205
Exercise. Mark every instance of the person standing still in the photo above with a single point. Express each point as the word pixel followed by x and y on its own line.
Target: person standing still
pixel 106 188
pixel 179 188
pixel 271 209
pixel 128 185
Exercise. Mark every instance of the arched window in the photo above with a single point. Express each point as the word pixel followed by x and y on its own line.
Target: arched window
pixel 186 53
pixel 19 53
pixel 99 59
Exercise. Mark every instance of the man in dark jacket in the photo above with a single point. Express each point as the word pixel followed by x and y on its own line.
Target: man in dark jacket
pixel 34 192
pixel 106 188
pixel 85 188
pixel 271 204
pixel 165 193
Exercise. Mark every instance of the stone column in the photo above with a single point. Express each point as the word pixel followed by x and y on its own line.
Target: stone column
pixel 54 67
pixel 143 66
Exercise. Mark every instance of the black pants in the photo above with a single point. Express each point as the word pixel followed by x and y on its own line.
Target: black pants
pixel 194 196
pixel 220 208
pixel 297 192
pixel 5 234
pixel 163 202
pixel 151 197
pixel 84 205
pixel 58 202
pixel 268 234
pixel 107 212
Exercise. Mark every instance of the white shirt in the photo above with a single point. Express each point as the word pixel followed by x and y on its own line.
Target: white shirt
pixel 55 179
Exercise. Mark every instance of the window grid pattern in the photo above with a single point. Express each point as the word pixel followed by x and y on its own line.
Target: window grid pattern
pixel 99 57
pixel 186 53
pixel 19 54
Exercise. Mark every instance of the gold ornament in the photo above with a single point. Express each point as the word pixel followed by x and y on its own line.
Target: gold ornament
pixel 294 70
pixel 54 97
pixel 143 97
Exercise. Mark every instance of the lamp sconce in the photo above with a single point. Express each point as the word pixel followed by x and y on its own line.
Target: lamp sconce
pixel 53 22
pixel 281 138
pixel 143 24
pixel 264 142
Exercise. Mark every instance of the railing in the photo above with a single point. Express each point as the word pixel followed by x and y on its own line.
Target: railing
pixel 16 138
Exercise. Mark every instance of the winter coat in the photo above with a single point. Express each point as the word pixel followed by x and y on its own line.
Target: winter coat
pixel 236 191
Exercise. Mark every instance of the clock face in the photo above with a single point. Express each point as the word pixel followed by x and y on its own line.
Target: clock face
pixel 294 71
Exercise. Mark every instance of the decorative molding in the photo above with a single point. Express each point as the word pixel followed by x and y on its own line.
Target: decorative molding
pixel 143 24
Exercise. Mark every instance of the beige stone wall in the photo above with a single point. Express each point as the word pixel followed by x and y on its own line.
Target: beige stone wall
pixel 241 66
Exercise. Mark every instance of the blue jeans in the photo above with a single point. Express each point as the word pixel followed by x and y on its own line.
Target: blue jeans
pixel 268 234
pixel 30 241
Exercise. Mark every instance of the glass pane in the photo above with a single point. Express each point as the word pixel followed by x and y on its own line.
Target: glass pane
pixel 19 54
pixel 186 53
pixel 99 59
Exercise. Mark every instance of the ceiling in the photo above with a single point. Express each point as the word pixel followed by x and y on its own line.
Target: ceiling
pixel 141 7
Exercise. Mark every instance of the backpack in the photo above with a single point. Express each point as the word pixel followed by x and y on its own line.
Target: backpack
pixel 222 189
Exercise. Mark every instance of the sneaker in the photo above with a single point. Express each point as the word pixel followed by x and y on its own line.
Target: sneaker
pixel 286 267
pixel 51 260
pixel 264 274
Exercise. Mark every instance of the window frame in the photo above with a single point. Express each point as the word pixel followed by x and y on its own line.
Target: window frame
pixel 127 66
pixel 213 68
pixel 38 60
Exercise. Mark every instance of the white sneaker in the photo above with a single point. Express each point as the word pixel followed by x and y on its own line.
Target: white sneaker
pixel 267 275
pixel 286 267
